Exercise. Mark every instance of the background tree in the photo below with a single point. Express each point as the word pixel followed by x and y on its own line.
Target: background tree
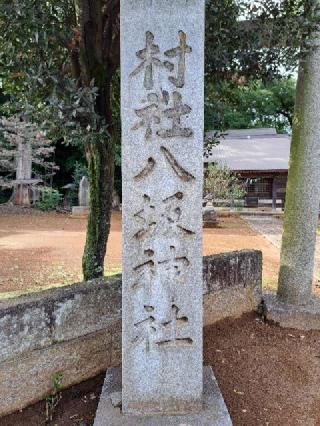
pixel 60 58
pixel 24 152
pixel 252 39
pixel 99 61
pixel 59 61
pixel 236 105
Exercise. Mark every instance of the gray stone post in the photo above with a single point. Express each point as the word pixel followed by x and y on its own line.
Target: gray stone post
pixel 83 193
pixel 303 186
pixel 162 71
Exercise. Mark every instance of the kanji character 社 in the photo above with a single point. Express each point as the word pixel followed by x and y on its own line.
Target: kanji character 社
pixel 179 109
pixel 149 115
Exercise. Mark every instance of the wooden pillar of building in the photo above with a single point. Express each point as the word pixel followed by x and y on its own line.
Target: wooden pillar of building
pixel 274 193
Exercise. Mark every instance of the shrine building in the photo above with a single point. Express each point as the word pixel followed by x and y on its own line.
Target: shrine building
pixel 260 157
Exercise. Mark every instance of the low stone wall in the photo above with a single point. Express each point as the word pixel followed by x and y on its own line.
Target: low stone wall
pixel 232 284
pixel 76 330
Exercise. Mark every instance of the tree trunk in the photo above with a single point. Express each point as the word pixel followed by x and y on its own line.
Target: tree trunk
pixel 303 186
pixel 99 59
pixel 100 154
pixel 100 157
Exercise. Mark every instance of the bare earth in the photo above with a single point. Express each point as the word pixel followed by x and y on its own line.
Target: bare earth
pixel 269 376
pixel 45 250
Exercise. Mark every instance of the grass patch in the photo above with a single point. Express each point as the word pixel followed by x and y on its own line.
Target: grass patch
pixel 269 284
pixel 113 271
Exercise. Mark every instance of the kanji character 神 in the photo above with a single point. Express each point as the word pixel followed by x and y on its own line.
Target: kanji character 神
pixel 145 328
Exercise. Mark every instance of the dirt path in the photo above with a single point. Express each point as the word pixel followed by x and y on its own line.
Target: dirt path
pixel 41 251
pixel 44 250
pixel 268 376
pixel 271 227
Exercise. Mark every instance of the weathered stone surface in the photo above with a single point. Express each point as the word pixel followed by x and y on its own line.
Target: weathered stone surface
pixel 84 192
pixel 162 71
pixel 83 322
pixel 210 217
pixel 213 411
pixel 239 268
pixel 80 211
pixel 23 330
pixel 300 317
pixel 28 378
pixel 232 284
pixel 229 303
pixel 42 319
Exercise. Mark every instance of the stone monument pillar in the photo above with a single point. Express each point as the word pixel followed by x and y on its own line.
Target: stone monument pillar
pixel 84 192
pixel 82 209
pixel 162 102
pixel 162 71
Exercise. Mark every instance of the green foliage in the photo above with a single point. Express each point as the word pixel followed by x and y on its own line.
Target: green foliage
pixel 53 400
pixel 39 40
pixel 221 183
pixel 5 195
pixel 229 105
pixel 258 39
pixel 79 171
pixel 33 43
pixel 49 199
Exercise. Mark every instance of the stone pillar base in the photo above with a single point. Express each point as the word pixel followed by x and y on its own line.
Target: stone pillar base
pixel 214 412
pixel 302 317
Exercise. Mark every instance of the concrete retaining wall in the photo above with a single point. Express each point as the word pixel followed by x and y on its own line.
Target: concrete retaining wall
pixel 76 330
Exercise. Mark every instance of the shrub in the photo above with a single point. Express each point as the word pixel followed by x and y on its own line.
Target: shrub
pixel 49 199
pixel 221 183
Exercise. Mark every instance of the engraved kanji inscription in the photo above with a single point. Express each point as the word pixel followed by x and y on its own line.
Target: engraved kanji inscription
pixel 149 115
pixel 148 55
pixel 147 216
pixel 179 53
pixel 174 267
pixel 145 273
pixel 146 170
pixel 181 172
pixel 145 328
pixel 160 223
pixel 173 334
pixel 171 270
pixel 175 114
pixel 161 218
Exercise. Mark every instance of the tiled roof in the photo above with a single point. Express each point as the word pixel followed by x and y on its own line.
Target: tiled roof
pixel 254 149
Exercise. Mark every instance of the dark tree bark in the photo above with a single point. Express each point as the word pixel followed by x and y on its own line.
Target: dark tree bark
pixel 99 59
